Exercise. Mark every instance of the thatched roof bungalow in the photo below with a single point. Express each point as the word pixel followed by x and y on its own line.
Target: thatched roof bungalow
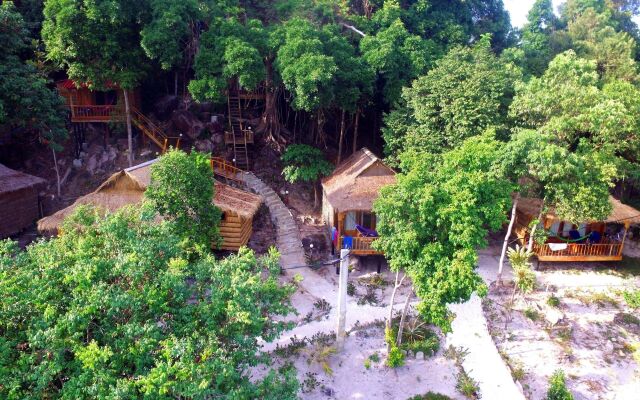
pixel 128 187
pixel 590 241
pixel 19 200
pixel 347 199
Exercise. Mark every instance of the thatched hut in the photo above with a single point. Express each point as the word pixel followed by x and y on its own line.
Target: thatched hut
pixel 19 200
pixel 566 241
pixel 128 186
pixel 347 200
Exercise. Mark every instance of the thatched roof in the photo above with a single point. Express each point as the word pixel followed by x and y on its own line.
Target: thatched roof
pixel 128 187
pixel 11 180
pixel 356 182
pixel 620 213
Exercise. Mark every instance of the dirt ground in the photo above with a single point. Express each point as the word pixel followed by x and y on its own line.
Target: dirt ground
pixel 586 329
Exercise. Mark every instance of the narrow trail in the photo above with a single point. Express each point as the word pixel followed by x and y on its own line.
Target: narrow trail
pixel 483 362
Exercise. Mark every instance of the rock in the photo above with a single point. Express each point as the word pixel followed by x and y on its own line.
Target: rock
pixel 553 316
pixel 166 105
pixel 187 123
pixel 205 146
pixel 92 164
pixel 83 154
pixel 404 352
pixel 217 138
pixel 419 355
pixel 77 163
pixel 327 391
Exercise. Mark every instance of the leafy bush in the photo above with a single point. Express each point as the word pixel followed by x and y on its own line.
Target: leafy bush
pixel 632 298
pixel 395 358
pixel 304 163
pixel 532 314
pixel 558 388
pixel 430 396
pixel 182 190
pixel 467 385
pixel 114 308
pixel 553 301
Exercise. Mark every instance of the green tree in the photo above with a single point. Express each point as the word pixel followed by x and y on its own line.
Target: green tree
pixel 98 43
pixel 432 221
pixel 540 37
pixel 468 91
pixel 182 191
pixel 113 309
pixel 27 105
pixel 569 103
pixel 304 163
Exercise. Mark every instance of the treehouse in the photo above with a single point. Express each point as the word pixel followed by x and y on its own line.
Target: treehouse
pixel 128 186
pixel 347 201
pixel 106 106
pixel 19 200
pixel 565 241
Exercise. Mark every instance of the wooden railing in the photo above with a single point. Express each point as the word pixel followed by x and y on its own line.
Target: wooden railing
pixel 225 169
pixel 580 251
pixel 230 138
pixel 361 245
pixel 153 131
pixel 95 113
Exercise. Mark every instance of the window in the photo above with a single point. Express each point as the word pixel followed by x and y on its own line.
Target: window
pixel 368 220
pixel 350 221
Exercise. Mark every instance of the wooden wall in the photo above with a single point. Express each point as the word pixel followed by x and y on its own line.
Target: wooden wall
pixel 235 231
pixel 18 210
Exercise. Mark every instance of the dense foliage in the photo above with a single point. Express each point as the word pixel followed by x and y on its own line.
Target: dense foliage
pixel 303 163
pixel 182 191
pixel 432 221
pixel 27 105
pixel 113 309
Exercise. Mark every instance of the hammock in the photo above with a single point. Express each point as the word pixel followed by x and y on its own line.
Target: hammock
pixel 595 236
pixel 366 232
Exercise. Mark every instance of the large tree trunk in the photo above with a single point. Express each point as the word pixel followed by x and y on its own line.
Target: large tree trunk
pixel 533 228
pixel 507 236
pixel 175 83
pixel 402 318
pixel 315 195
pixel 270 121
pixel 393 297
pixel 341 137
pixel 55 165
pixel 355 131
pixel 127 111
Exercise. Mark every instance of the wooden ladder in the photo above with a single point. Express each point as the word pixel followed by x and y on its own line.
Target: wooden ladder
pixel 153 131
pixel 240 151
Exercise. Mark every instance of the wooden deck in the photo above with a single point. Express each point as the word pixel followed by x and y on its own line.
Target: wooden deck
pixel 362 246
pixel 96 113
pixel 226 170
pixel 580 252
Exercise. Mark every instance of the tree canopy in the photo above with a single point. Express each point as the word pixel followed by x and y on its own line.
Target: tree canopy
pixel 114 309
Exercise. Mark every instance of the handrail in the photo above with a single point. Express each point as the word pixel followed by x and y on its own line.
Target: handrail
pixel 580 249
pixel 222 167
pixel 154 132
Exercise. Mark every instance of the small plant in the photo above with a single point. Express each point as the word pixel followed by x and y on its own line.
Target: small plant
pixel 632 298
pixel 628 319
pixel 292 348
pixel 310 382
pixel 297 279
pixel 375 357
pixel 532 314
pixel 322 305
pixel 430 396
pixel 322 356
pixel 467 385
pixel 323 339
pixel 351 289
pixel 553 301
pixel 395 358
pixel 558 388
pixel 370 297
pixel 308 317
pixel 367 363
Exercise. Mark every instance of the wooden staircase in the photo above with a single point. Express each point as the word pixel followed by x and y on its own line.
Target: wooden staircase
pixel 238 133
pixel 153 131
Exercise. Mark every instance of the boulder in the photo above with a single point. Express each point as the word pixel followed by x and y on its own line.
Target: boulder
pixel 186 123
pixel 92 164
pixel 166 105
pixel 217 138
pixel 205 146
pixel 419 355
pixel 553 316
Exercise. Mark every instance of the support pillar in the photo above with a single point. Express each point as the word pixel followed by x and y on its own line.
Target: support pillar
pixel 342 299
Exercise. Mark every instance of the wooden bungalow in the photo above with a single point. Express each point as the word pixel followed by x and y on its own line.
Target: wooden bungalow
pixel 106 106
pixel 589 241
pixel 347 200
pixel 19 200
pixel 88 105
pixel 128 186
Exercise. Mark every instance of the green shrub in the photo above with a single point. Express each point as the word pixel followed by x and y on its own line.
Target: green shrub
pixel 428 346
pixel 532 314
pixel 375 357
pixel 367 363
pixel 430 396
pixel 467 385
pixel 558 388
pixel 553 301
pixel 395 358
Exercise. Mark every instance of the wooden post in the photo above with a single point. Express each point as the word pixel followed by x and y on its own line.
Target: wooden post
pixel 624 237
pixel 507 236
pixel 342 299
